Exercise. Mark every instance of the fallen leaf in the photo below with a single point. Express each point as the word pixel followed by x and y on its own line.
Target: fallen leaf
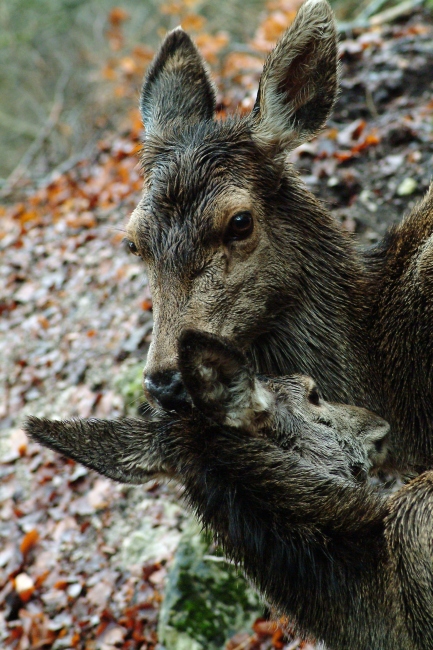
pixel 28 541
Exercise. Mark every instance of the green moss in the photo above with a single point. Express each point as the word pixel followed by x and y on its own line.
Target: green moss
pixel 207 600
pixel 129 383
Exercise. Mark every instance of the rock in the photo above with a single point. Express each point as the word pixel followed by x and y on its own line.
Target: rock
pixel 206 600
pixel 150 542
pixel 129 383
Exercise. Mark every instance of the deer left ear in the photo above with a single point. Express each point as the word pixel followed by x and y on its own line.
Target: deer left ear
pixel 177 86
pixel 220 380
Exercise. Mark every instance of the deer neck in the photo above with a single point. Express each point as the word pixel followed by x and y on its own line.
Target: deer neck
pixel 319 316
pixel 401 312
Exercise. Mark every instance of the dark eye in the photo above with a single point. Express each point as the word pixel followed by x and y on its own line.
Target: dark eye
pixel 314 396
pixel 131 247
pixel 240 226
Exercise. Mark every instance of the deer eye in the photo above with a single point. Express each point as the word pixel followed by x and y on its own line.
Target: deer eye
pixel 131 247
pixel 240 226
pixel 314 396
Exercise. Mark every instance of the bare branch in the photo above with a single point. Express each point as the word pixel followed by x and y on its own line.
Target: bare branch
pixel 37 143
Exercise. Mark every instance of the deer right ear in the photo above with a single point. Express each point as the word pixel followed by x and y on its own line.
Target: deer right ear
pixel 177 85
pixel 220 380
pixel 299 83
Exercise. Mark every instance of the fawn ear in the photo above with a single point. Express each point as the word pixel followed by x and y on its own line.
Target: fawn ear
pixel 299 83
pixel 177 85
pixel 119 449
pixel 220 380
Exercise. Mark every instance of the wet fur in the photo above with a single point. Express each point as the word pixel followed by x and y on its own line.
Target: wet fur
pixel 296 296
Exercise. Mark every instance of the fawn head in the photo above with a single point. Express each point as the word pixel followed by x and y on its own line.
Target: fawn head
pixel 288 410
pixel 219 197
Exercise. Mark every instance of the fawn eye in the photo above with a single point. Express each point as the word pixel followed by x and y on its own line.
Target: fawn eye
pixel 131 247
pixel 240 226
pixel 314 396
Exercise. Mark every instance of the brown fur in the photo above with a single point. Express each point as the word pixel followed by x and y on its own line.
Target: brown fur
pixel 294 294
pixel 280 487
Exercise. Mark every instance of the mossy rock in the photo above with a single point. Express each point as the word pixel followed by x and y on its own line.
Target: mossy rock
pixel 129 383
pixel 207 600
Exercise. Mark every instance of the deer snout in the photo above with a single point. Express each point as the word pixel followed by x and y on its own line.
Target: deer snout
pixel 166 389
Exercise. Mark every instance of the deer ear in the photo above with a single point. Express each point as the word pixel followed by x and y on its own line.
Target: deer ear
pixel 120 449
pixel 299 83
pixel 220 381
pixel 177 85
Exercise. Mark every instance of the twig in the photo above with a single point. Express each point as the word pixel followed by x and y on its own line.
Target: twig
pixel 217 558
pixel 19 126
pixel 244 644
pixel 372 8
pixel 68 164
pixel 395 12
pixel 370 103
pixel 366 19
pixel 37 143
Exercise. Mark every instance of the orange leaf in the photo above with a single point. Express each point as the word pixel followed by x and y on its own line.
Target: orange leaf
pixel 83 220
pixel 272 28
pixel 359 129
pixel 128 65
pixel 264 628
pixel 143 52
pixel 238 61
pixel 16 633
pixel 372 139
pixel 193 22
pixel 210 45
pixel 146 305
pixel 342 156
pixel 117 16
pixel 44 322
pixel 108 72
pixel 171 8
pixel 41 579
pixel 332 134
pixel 28 541
pixel 277 639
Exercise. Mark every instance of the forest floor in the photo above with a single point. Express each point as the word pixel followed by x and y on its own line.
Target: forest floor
pixel 75 324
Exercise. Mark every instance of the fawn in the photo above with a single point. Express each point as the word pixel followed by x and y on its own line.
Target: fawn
pixel 235 244
pixel 278 475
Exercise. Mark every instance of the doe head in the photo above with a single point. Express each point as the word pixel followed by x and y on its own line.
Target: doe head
pixel 219 198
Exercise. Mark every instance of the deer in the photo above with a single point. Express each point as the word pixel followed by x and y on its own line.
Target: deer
pixel 279 476
pixel 233 243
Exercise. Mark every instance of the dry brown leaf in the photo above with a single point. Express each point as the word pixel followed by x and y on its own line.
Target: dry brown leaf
pixel 117 16
pixel 29 540
pixel 193 22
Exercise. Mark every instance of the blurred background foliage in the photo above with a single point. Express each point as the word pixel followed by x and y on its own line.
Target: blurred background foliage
pixel 72 69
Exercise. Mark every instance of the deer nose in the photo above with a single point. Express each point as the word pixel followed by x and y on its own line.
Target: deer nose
pixel 167 390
